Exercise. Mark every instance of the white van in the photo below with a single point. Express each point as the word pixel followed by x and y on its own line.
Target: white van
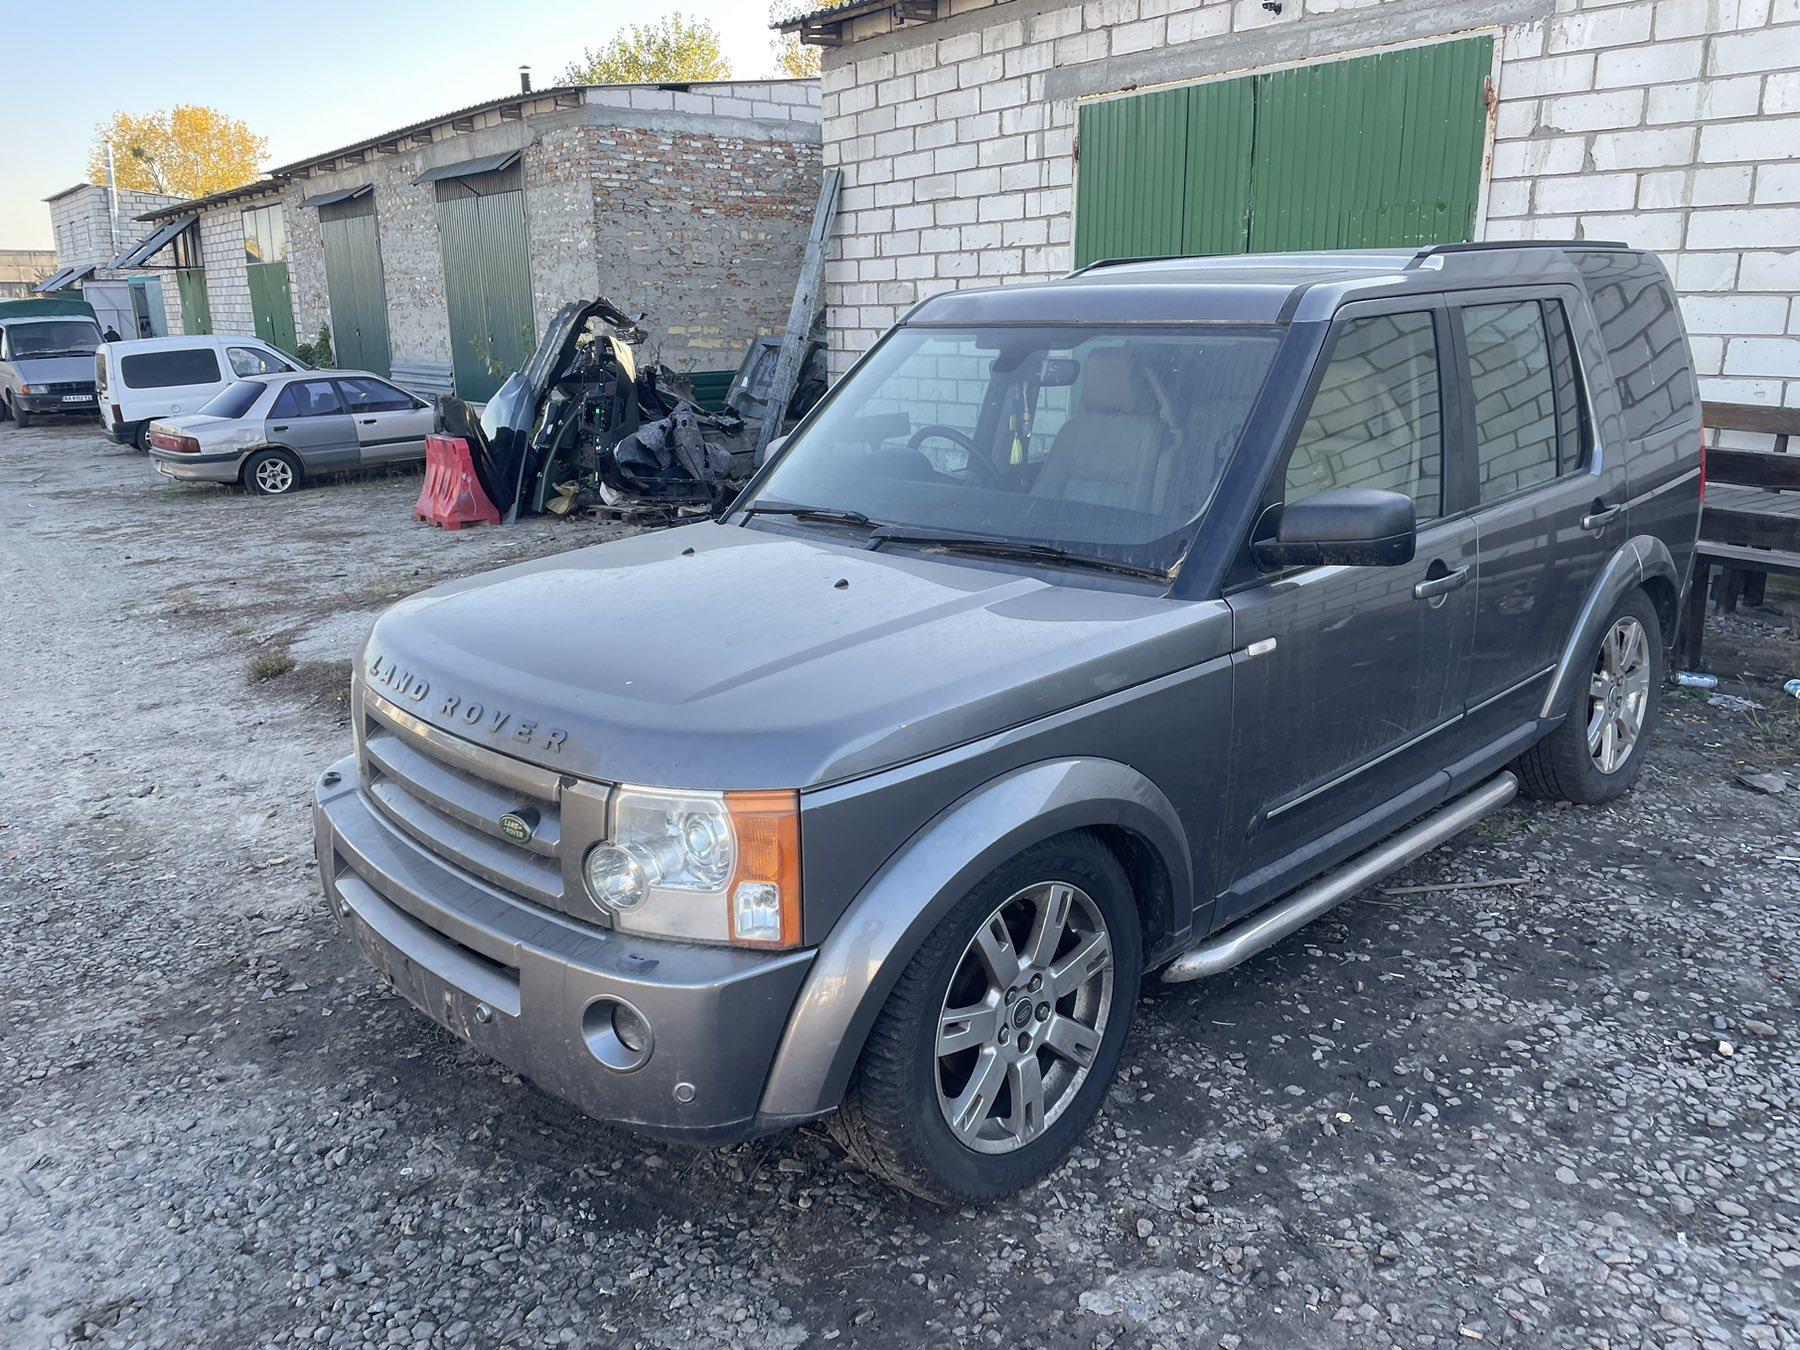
pixel 138 381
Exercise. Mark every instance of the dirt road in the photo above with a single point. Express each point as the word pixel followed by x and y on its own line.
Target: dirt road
pixel 1564 1111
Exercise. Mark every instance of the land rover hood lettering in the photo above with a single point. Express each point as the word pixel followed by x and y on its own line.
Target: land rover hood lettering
pixel 454 711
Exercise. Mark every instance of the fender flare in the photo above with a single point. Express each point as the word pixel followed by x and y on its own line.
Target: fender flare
pixel 859 963
pixel 1633 563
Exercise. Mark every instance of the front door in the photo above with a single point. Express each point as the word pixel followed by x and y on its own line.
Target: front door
pixel 1352 675
pixel 1544 502
pixel 310 418
pixel 390 423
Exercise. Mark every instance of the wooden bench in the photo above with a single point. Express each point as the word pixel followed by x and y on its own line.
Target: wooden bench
pixel 1750 526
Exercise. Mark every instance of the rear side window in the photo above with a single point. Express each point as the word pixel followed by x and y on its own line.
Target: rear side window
pixel 366 395
pixel 167 369
pixel 1376 421
pixel 1515 396
pixel 1642 329
pixel 307 398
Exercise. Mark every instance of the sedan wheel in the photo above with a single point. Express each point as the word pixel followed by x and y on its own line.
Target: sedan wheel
pixel 1618 694
pixel 1023 1018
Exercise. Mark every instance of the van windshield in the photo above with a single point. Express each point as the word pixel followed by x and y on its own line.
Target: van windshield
pixel 1102 441
pixel 53 337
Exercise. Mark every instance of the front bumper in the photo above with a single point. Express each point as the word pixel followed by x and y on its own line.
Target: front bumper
pixel 530 987
pixel 196 468
pixel 44 404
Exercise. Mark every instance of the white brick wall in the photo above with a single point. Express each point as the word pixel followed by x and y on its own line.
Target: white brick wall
pixel 1671 124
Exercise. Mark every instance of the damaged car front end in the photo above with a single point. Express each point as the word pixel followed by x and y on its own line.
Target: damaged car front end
pixel 584 427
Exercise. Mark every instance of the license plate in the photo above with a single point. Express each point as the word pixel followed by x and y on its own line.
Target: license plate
pixel 77 398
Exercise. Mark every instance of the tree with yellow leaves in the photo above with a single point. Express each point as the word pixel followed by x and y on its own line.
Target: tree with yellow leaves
pixel 185 151
pixel 673 50
pixel 793 57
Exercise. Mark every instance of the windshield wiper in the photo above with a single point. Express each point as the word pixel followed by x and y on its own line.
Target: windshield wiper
pixel 831 515
pixel 982 544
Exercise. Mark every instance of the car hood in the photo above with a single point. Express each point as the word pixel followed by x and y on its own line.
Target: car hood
pixel 724 657
pixel 55 369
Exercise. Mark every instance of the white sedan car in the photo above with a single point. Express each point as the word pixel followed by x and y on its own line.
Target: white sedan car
pixel 268 432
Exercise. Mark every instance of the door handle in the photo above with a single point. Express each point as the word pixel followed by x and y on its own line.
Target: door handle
pixel 368 421
pixel 1436 588
pixel 1601 516
pixel 279 428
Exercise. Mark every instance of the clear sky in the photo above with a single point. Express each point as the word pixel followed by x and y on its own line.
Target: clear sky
pixel 310 76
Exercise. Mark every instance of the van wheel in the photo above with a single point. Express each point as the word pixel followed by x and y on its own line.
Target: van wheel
pixel 141 437
pixel 1598 751
pixel 20 416
pixel 5 407
pixel 271 473
pixel 999 1043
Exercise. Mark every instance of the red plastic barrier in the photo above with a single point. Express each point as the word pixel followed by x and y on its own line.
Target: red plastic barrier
pixel 452 495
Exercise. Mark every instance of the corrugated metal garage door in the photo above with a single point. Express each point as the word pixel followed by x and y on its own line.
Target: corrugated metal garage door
pixel 354 283
pixel 487 279
pixel 271 309
pixel 1373 151
pixel 196 309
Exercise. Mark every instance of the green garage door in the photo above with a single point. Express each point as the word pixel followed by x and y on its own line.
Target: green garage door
pixel 487 278
pixel 1375 151
pixel 271 308
pixel 196 309
pixel 353 280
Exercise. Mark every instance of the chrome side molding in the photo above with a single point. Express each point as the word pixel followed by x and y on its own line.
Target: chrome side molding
pixel 1244 939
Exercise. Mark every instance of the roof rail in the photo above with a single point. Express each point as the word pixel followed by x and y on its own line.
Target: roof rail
pixel 1479 247
pixel 1098 263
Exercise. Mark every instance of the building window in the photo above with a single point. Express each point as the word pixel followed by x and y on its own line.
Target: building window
pixel 186 246
pixel 265 235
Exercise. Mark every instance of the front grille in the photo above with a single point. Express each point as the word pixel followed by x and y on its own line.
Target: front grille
pixel 448 795
pixel 66 387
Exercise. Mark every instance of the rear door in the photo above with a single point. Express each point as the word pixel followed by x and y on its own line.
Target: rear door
pixel 309 416
pixel 168 381
pixel 1341 718
pixel 390 423
pixel 1547 508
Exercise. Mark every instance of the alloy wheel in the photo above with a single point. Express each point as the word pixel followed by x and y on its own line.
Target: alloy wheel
pixel 1618 694
pixel 1024 1017
pixel 274 476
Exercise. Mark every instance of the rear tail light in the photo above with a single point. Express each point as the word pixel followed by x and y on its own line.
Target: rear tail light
pixel 175 442
pixel 1703 464
pixel 118 418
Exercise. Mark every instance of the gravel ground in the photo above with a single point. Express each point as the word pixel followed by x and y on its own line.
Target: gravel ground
pixel 1564 1111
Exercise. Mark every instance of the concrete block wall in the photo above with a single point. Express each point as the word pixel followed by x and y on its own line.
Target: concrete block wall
pixel 85 232
pixel 1672 124
pixel 227 268
pixel 559 221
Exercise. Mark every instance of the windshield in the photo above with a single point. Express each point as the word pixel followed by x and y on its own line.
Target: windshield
pixel 1106 441
pixel 53 337
pixel 233 400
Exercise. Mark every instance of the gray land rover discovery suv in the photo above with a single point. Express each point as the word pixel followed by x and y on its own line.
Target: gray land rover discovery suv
pixel 1118 624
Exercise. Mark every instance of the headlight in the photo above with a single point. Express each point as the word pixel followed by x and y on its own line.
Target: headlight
pixel 709 867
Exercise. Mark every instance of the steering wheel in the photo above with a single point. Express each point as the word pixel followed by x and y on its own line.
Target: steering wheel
pixel 980 467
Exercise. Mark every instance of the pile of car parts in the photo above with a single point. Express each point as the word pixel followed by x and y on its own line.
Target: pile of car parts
pixel 582 430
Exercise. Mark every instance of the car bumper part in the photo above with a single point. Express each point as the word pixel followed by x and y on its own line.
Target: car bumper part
pixel 196 468
pixel 537 990
pixel 58 403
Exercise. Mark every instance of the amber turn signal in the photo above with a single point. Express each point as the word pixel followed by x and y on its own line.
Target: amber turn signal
pixel 764 892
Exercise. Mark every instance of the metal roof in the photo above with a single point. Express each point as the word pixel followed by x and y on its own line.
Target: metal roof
pixel 255 188
pixel 333 198
pixel 560 92
pixel 140 253
pixel 468 168
pixel 63 279
pixel 824 26
pixel 56 196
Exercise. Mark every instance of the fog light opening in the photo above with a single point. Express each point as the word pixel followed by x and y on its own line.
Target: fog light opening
pixel 617 1034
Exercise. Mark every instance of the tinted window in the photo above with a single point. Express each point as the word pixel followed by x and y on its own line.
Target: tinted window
pixel 1515 401
pixel 307 398
pixel 1376 420
pixel 1643 336
pixel 167 369
pixel 250 361
pixel 234 400
pixel 1565 372
pixel 367 395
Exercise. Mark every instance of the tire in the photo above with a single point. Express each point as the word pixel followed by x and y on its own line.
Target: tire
pixel 141 437
pixel 1567 765
pixel 895 1120
pixel 271 473
pixel 5 408
pixel 20 417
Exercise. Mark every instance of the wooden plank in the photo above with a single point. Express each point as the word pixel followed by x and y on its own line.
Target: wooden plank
pixel 801 314
pixel 1751 559
pixel 1751 417
pixel 1754 528
pixel 1753 468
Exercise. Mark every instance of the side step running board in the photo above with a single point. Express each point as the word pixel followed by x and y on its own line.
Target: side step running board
pixel 1242 940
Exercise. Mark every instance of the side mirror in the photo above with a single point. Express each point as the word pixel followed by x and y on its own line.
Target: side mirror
pixel 772 449
pixel 1344 527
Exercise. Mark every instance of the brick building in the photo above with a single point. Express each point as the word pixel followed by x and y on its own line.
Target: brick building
pixel 22 269
pixel 438 252
pixel 985 141
pixel 91 229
